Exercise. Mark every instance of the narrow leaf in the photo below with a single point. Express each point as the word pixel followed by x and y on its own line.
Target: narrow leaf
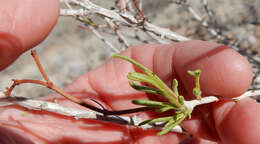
pixel 146 70
pixel 146 89
pixel 150 103
pixel 171 126
pixel 141 78
pixel 175 87
pixel 152 79
pixel 170 122
pixel 164 109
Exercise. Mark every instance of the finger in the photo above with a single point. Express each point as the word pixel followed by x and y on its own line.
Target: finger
pixel 238 122
pixel 222 70
pixel 225 72
pixel 24 24
pixel 194 140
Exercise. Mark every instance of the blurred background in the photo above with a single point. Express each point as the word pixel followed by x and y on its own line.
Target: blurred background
pixel 70 51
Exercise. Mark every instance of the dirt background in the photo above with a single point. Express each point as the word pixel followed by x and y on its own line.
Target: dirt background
pixel 70 51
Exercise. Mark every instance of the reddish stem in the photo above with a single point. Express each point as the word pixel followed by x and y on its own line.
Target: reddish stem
pixel 51 86
pixel 37 61
pixel 138 9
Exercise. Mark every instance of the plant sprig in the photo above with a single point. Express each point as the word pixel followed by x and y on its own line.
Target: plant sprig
pixel 175 101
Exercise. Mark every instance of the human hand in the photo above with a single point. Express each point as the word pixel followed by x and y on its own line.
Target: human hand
pixel 225 74
pixel 24 24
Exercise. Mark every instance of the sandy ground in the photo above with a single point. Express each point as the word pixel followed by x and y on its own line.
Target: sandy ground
pixel 70 51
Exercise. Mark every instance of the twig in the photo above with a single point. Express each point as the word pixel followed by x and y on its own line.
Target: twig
pixel 118 33
pixel 51 86
pixel 83 114
pixel 157 38
pixel 92 26
pixel 163 32
pixel 115 50
pixel 88 114
pixel 127 19
pixel 130 21
pixel 252 93
pixel 193 103
pixel 139 10
pixel 37 61
pixel 71 12
pixel 122 6
pixel 130 7
pixel 204 23
pixel 209 13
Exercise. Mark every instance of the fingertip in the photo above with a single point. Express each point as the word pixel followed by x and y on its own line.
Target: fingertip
pixel 24 24
pixel 10 49
pixel 44 15
pixel 238 122
pixel 224 71
pixel 29 20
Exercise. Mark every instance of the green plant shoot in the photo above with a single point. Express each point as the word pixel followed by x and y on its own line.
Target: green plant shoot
pixel 175 101
pixel 196 91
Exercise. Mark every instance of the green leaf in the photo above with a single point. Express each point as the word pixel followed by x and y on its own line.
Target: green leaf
pixel 141 78
pixel 146 89
pixel 146 70
pixel 161 119
pixel 164 109
pixel 170 126
pixel 195 73
pixel 175 87
pixel 179 116
pixel 175 101
pixel 152 79
pixel 181 99
pixel 170 122
pixel 149 103
pixel 197 93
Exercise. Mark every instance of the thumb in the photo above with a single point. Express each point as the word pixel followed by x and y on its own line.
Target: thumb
pixel 24 24
pixel 238 122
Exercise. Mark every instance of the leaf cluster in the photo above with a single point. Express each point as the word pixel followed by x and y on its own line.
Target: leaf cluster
pixel 175 102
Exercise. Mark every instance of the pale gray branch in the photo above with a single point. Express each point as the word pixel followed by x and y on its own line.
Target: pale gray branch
pixel 126 19
pixel 89 114
pixel 81 114
pixel 115 50
pixel 118 32
pixel 255 94
pixel 193 103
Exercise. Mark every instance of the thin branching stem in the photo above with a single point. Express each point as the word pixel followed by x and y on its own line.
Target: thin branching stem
pixel 51 86
pixel 139 10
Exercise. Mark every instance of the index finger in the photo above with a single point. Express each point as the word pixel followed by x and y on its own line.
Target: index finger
pixel 24 24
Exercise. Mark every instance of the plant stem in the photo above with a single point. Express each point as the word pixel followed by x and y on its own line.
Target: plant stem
pixel 51 86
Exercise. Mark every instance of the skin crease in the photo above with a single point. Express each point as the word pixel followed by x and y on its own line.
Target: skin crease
pixel 225 73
